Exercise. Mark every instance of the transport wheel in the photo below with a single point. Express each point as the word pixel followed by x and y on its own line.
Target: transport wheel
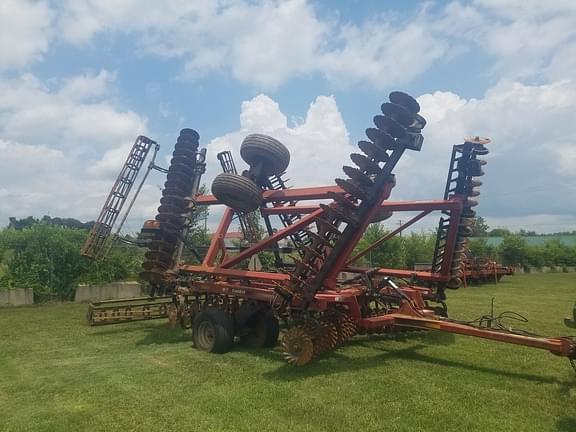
pixel 263 329
pixel 272 156
pixel 213 331
pixel 237 192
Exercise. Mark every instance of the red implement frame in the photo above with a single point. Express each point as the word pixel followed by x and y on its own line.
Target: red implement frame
pixel 411 312
pixel 310 212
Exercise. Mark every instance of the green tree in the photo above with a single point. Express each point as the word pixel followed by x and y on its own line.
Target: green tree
pixel 391 253
pixel 499 232
pixel 419 248
pixel 47 258
pixel 479 247
pixel 513 250
pixel 480 228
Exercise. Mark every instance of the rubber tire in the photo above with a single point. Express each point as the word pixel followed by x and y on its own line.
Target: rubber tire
pixel 237 192
pixel 220 326
pixel 265 330
pixel 257 147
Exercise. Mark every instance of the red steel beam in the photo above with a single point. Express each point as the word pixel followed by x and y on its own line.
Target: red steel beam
pixel 559 346
pixel 428 205
pixel 406 274
pixel 294 194
pixel 234 273
pixel 217 242
pixel 388 236
pixel 331 277
pixel 451 240
pixel 279 235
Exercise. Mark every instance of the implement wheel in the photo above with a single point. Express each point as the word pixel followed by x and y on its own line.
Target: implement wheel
pixel 262 330
pixel 262 150
pixel 237 192
pixel 298 346
pixel 213 331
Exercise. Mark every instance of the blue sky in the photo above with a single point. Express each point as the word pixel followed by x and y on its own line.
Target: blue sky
pixel 81 79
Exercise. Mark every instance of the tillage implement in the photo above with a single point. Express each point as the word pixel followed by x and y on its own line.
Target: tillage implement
pixel 317 289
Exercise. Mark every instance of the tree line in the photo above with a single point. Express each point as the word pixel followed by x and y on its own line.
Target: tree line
pixel 46 257
pixel 44 254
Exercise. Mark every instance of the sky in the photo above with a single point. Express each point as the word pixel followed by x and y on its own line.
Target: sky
pixel 81 79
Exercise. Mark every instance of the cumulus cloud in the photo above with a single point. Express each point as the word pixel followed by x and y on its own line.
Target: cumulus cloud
pixel 526 39
pixel 530 169
pixel 70 135
pixel 25 32
pixel 76 115
pixel 61 143
pixel 319 146
pixel 381 53
pixel 255 41
pixel 266 43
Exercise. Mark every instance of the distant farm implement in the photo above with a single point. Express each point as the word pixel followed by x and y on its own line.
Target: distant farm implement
pixel 318 291
pixel 477 270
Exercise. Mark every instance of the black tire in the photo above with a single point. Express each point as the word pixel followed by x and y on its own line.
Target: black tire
pixel 237 192
pixel 261 330
pixel 213 331
pixel 263 148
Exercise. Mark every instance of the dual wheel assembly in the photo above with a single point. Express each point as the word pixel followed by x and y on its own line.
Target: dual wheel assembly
pixel 213 330
pixel 266 157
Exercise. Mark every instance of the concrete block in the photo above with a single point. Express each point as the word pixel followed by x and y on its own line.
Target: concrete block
pixel 109 291
pixel 17 296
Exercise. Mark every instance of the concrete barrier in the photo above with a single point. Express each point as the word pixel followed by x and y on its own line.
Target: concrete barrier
pixel 16 296
pixel 110 291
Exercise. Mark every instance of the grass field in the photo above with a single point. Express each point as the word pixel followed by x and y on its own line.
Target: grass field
pixel 58 374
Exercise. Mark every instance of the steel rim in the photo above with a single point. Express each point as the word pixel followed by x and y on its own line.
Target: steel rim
pixel 206 334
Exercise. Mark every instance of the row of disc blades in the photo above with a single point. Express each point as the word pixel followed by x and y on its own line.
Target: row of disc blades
pixel 469 169
pixel 173 207
pixel 305 341
pixel 398 122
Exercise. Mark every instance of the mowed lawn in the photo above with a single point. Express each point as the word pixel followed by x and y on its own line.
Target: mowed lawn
pixel 58 374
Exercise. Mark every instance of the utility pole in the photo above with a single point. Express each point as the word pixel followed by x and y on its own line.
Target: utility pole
pixel 400 222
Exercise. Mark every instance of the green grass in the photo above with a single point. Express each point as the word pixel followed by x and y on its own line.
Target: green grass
pixel 58 374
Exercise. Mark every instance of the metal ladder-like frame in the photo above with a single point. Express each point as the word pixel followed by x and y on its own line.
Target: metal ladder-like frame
pixel 96 244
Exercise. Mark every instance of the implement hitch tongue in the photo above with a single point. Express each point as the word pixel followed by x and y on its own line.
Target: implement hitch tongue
pixel 571 322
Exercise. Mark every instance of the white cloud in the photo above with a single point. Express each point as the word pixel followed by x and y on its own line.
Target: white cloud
pixel 319 146
pixel 268 42
pixel 254 41
pixel 77 116
pixel 265 43
pixel 527 37
pixel 382 54
pixel 78 126
pixel 530 169
pixel 25 32
pixel 87 86
pixel 63 145
pixel 262 114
